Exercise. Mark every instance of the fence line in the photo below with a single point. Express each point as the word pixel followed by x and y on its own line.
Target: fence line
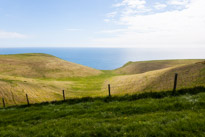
pixel 27 100
pixel 160 84
pixel 112 89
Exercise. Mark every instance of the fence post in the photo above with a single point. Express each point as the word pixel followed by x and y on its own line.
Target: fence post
pixel 63 95
pixel 109 90
pixel 175 83
pixel 4 105
pixel 27 99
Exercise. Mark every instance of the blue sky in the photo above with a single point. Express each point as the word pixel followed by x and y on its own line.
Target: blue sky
pixel 102 23
pixel 45 22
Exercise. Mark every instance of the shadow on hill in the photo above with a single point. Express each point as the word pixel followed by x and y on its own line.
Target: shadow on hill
pixel 154 95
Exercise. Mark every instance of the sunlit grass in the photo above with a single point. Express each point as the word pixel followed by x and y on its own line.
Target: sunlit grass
pixel 43 77
pixel 153 114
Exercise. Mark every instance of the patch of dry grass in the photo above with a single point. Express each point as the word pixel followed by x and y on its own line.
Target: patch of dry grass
pixel 145 66
pixel 189 76
pixel 42 66
pixel 132 83
pixel 14 89
pixel 158 80
pixel 22 74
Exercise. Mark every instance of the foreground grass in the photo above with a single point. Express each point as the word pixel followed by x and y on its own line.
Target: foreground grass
pixel 153 114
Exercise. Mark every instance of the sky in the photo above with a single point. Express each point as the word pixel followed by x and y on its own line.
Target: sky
pixel 103 23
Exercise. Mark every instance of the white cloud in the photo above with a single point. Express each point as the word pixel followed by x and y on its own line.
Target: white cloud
pixel 132 3
pixel 11 35
pixel 178 2
pixel 132 7
pixel 181 28
pixel 159 6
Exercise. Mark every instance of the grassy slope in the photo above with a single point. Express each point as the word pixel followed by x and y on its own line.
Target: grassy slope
pixel 13 89
pixel 120 116
pixel 28 73
pixel 189 76
pixel 43 77
pixel 42 66
pixel 181 115
pixel 145 66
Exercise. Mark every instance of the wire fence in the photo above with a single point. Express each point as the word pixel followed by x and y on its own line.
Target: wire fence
pixel 122 86
pixel 161 83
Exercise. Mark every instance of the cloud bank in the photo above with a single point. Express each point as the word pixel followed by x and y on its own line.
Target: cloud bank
pixel 180 24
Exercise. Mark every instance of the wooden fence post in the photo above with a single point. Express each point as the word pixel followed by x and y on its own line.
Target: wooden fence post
pixel 27 99
pixel 4 105
pixel 175 83
pixel 109 90
pixel 63 95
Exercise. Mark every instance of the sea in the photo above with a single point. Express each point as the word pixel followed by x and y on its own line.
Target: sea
pixel 111 58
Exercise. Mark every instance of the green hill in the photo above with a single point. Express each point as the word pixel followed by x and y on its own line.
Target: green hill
pixel 88 111
pixel 145 66
pixel 37 75
pixel 156 80
pixel 42 66
pixel 188 76
pixel 43 77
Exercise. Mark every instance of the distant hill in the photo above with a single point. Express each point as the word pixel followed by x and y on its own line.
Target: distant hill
pixel 145 66
pixel 42 66
pixel 38 76
pixel 189 76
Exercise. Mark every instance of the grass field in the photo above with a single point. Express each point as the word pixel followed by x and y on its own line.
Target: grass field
pixel 13 89
pixel 142 101
pixel 188 76
pixel 43 77
pixel 147 114
pixel 40 76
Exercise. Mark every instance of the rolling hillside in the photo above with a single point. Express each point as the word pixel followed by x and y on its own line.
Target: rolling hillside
pixel 36 75
pixel 145 66
pixel 43 77
pixel 189 75
pixel 42 66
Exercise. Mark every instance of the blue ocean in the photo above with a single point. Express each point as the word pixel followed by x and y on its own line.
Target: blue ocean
pixel 110 58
